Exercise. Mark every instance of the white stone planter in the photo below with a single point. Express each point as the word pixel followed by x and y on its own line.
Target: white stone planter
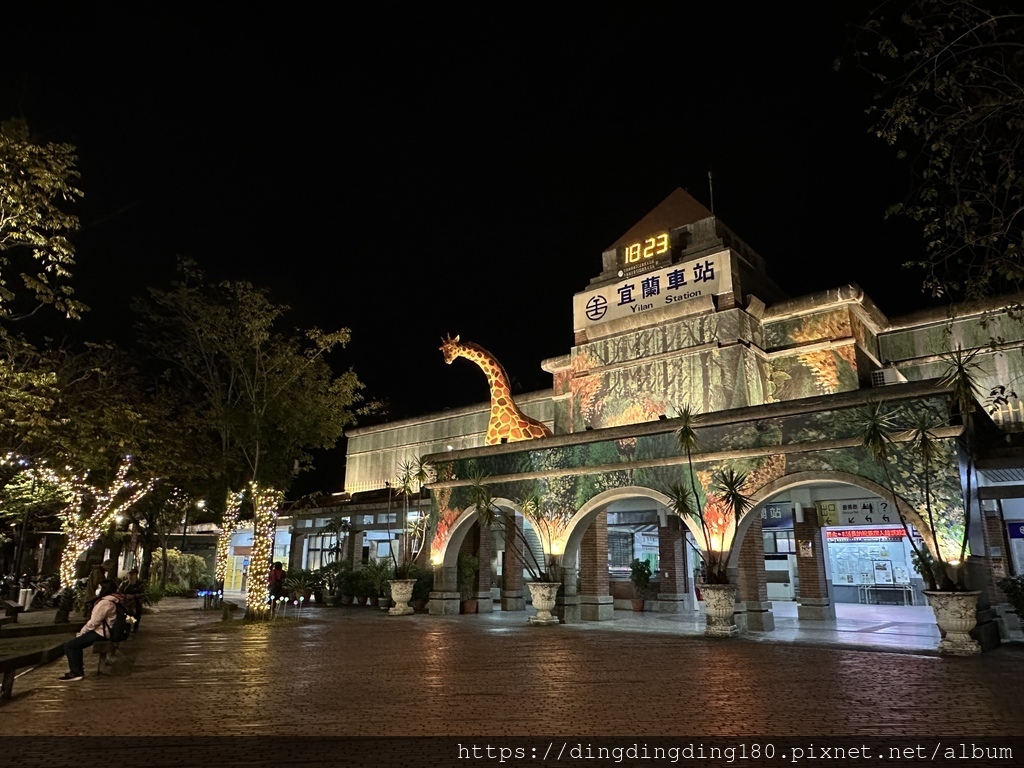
pixel 720 604
pixel 956 613
pixel 543 594
pixel 401 594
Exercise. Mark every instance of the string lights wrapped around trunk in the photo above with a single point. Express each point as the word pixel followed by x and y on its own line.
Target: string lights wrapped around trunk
pixel 232 510
pixel 82 527
pixel 265 502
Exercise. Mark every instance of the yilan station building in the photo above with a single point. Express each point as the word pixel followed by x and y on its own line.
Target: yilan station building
pixel 683 312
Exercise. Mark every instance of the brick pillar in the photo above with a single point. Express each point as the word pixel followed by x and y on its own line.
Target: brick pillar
pixel 753 584
pixel 985 568
pixel 596 603
pixel 813 601
pixel 673 576
pixel 484 541
pixel 512 567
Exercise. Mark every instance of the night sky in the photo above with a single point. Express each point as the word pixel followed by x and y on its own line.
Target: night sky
pixel 409 173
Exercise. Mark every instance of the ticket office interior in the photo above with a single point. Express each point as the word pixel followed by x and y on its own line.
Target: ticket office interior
pixel 869 557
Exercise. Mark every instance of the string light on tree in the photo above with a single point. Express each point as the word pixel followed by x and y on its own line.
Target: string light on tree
pixel 265 502
pixel 91 510
pixel 232 509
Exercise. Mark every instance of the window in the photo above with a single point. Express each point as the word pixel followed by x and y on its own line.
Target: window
pixel 778 541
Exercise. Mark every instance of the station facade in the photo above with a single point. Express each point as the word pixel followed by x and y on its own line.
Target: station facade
pixel 683 312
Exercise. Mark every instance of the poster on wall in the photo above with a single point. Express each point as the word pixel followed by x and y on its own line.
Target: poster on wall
pixel 1015 533
pixel 883 572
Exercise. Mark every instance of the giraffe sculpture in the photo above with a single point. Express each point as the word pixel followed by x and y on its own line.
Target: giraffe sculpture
pixel 508 424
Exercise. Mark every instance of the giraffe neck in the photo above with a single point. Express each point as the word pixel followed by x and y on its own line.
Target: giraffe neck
pixel 497 379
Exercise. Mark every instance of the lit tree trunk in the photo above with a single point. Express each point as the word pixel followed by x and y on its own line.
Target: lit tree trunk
pixel 265 502
pixel 228 525
pixel 84 528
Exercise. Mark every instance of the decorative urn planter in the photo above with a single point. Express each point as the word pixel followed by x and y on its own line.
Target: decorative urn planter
pixel 401 594
pixel 956 613
pixel 543 595
pixel 720 604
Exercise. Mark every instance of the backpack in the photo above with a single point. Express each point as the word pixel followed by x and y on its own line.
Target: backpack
pixel 119 630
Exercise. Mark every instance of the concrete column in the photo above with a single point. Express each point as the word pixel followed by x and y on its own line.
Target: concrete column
pixel 512 567
pixel 673 577
pixel 595 600
pixel 752 582
pixel 354 549
pixel 813 602
pixel 445 599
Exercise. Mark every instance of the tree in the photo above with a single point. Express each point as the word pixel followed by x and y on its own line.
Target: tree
pixel 91 508
pixel 265 397
pixel 951 101
pixel 36 180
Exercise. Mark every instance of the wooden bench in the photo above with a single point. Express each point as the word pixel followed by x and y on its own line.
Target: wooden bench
pixel 106 651
pixel 9 667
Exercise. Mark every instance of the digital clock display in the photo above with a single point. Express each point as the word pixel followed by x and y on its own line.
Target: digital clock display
pixel 645 250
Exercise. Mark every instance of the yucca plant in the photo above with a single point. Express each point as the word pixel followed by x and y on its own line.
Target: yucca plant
pixel 939 561
pixel 533 508
pixel 715 510
pixel 412 476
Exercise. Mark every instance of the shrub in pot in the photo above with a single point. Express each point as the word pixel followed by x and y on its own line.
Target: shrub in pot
pixel 640 575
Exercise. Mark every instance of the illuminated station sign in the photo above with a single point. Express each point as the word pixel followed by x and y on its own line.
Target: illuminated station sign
pixel 644 290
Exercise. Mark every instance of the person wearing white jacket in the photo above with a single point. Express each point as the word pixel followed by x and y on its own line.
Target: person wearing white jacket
pixel 94 630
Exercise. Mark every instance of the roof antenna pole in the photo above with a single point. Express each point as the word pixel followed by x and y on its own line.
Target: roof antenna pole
pixel 711 190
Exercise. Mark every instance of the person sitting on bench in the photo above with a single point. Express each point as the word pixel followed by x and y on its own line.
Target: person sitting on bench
pixel 94 630
pixel 134 594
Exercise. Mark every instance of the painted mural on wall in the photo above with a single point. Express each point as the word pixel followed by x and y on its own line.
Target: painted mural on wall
pixel 712 361
pixel 568 476
pixel 816 371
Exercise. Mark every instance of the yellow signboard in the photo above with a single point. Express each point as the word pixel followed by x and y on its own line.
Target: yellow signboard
pixel 828 513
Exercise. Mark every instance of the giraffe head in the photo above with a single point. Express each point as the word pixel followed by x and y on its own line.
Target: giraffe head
pixel 450 347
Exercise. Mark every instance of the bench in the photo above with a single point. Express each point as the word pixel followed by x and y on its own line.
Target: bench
pixel 12 609
pixel 9 667
pixel 106 650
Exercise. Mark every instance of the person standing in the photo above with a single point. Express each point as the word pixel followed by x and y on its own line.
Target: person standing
pixel 276 584
pixel 92 589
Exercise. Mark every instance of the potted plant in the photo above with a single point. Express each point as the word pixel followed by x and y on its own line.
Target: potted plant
pixel 376 573
pixel 550 525
pixel 467 568
pixel 413 537
pixel 300 584
pixel 715 510
pixel 942 555
pixel 1013 588
pixel 361 586
pixel 422 588
pixel 348 584
pixel 640 575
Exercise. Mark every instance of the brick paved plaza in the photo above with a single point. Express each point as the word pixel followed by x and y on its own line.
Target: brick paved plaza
pixel 347 671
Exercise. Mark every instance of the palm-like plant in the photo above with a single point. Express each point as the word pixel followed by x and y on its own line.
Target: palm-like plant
pixel 338 527
pixel 940 561
pixel 490 516
pixel 412 476
pixel 716 512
